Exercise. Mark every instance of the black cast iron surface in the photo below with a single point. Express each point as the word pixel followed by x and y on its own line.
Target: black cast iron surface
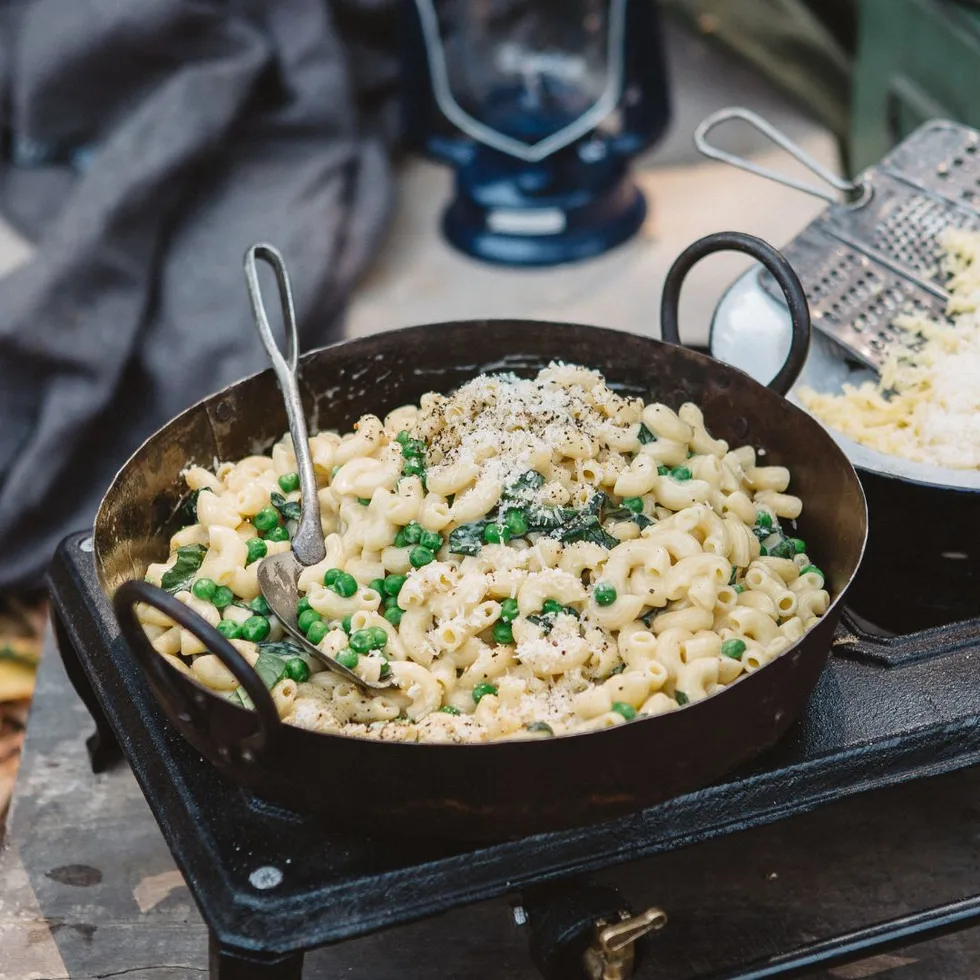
pixel 868 725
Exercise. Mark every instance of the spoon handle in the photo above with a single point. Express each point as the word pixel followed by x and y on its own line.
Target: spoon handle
pixel 308 540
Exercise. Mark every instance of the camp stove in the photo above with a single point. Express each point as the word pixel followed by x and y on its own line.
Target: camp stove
pixel 272 884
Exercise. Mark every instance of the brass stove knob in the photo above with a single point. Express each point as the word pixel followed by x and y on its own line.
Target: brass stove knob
pixel 612 955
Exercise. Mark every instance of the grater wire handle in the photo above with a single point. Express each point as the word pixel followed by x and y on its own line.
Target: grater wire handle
pixel 850 189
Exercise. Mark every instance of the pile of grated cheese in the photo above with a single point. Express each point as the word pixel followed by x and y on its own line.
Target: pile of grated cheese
pixel 925 406
pixel 509 425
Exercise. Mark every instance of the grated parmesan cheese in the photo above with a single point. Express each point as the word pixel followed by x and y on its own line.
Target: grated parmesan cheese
pixel 925 406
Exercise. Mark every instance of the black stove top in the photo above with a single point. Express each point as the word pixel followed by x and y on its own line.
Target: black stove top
pixel 271 883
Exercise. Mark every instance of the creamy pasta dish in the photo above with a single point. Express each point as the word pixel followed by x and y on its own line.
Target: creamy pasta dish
pixel 521 558
pixel 925 406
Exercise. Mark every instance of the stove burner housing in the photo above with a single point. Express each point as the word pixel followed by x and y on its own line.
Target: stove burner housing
pixel 271 883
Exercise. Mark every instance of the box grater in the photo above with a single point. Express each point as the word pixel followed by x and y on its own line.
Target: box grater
pixel 873 254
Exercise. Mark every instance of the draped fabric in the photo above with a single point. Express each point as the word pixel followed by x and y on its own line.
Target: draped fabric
pixel 147 144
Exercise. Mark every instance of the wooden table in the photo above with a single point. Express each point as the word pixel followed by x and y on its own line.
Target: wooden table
pixel 88 889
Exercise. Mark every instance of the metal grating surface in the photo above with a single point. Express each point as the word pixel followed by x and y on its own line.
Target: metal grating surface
pixel 864 264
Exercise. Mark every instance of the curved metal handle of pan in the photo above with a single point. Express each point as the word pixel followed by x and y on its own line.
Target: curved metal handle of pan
pixel 782 272
pixel 124 602
pixel 308 541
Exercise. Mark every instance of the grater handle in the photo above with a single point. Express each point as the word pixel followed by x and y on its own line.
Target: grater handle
pixel 782 272
pixel 848 188
pixel 193 710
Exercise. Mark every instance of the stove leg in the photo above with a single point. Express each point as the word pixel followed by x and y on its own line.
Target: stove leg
pixel 103 749
pixel 230 964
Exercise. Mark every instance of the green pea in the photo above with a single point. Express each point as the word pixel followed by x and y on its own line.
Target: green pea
pixel 413 533
pixel 633 504
pixel 303 604
pixel 624 709
pixel 496 534
pixel 289 482
pixel 364 501
pixel 379 637
pixel 297 670
pixel 403 436
pixel 378 584
pixel 680 473
pixel 266 519
pixel 448 709
pixel 604 594
pixel 306 619
pixel 400 541
pixel 204 588
pixel 503 632
pixel 763 519
pixel 255 629
pixel 223 596
pixel 799 545
pixel 551 606
pixel 811 568
pixel 345 585
pixel 331 575
pixel 413 447
pixel 259 606
pixel 393 584
pixel 229 629
pixel 413 467
pixel 317 631
pixel 420 556
pixel 345 625
pixel 482 690
pixel 390 601
pixel 347 658
pixel 361 641
pixel 733 649
pixel 509 610
pixel 278 533
pixel 663 470
pixel 394 616
pixel 516 522
pixel 255 548
pixel 431 540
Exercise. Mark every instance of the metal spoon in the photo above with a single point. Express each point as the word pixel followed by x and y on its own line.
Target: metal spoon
pixel 278 574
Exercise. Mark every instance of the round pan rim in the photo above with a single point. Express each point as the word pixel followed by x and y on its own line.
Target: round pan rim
pixel 485 323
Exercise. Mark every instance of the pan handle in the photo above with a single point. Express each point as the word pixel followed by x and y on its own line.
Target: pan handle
pixel 782 272
pixel 151 662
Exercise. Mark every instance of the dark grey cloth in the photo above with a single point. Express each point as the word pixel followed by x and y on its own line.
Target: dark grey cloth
pixel 150 143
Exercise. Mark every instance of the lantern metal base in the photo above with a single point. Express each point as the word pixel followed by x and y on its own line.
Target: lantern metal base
pixel 568 207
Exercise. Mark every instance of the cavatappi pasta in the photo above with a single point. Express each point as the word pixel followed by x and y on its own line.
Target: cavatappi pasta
pixel 925 406
pixel 523 557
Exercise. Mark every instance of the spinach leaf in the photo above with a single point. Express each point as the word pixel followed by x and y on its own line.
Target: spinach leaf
pixel 530 480
pixel 243 697
pixel 648 617
pixel 645 435
pixel 282 648
pixel 548 518
pixel 181 575
pixel 541 726
pixel 681 698
pixel 289 509
pixel 618 669
pixel 585 527
pixel 467 539
pixel 188 509
pixel 270 668
pixel 546 622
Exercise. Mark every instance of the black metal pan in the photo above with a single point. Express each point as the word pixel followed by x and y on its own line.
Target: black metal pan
pixel 501 789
